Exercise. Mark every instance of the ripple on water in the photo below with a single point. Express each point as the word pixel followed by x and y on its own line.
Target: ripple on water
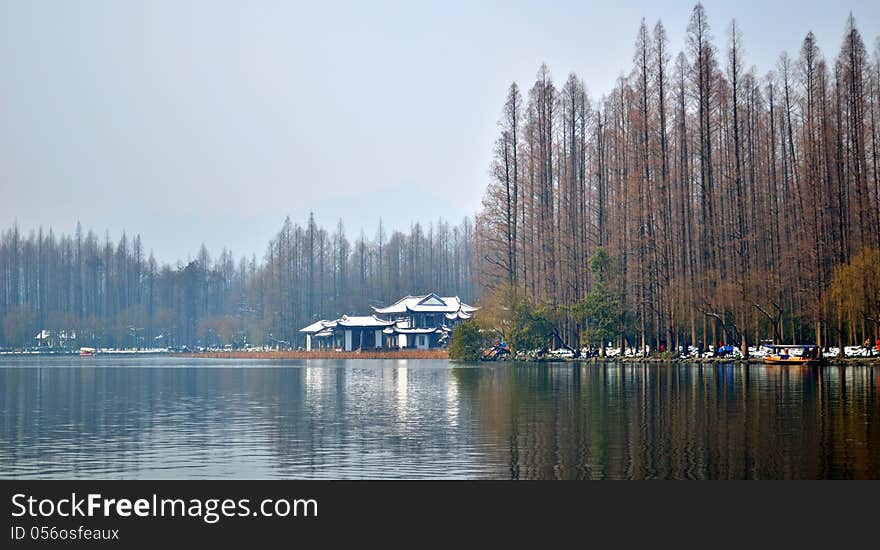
pixel 183 418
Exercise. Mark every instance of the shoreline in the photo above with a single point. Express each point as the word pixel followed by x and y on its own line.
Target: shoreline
pixel 830 362
pixel 329 354
pixel 443 354
pixel 435 354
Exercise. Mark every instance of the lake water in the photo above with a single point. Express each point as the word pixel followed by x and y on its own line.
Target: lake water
pixel 164 417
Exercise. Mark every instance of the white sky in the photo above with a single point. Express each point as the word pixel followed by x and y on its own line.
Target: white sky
pixel 191 122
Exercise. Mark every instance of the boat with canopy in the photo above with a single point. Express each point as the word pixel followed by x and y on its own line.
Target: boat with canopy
pixel 793 354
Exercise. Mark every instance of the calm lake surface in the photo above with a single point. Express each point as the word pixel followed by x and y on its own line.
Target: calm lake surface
pixel 164 417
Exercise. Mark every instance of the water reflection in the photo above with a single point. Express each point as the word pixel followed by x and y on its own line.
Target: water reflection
pixel 638 422
pixel 170 418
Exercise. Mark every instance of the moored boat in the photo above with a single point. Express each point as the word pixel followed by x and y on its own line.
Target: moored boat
pixel 794 354
pixel 86 352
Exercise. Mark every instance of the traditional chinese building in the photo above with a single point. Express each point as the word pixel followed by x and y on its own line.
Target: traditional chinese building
pixel 421 322
pixel 424 322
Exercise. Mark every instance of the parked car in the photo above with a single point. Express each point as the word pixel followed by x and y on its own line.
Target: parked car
pixel 561 353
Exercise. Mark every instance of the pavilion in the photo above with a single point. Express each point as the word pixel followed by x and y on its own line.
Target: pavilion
pixel 421 322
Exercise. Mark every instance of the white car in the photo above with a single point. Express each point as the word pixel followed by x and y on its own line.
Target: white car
pixel 759 351
pixel 856 351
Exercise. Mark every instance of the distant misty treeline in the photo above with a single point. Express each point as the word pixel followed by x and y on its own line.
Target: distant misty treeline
pixel 732 204
pixel 114 294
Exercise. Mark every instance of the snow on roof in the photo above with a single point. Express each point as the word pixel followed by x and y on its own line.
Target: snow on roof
pixel 427 303
pixel 363 321
pixel 451 306
pixel 432 330
pixel 318 326
pixel 458 315
pixel 400 306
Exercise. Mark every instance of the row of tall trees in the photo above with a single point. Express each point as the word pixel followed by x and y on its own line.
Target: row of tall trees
pixel 729 203
pixel 80 289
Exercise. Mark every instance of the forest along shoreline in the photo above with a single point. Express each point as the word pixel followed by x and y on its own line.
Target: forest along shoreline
pixel 698 200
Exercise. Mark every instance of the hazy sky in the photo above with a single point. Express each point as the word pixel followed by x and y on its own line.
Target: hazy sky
pixel 191 122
